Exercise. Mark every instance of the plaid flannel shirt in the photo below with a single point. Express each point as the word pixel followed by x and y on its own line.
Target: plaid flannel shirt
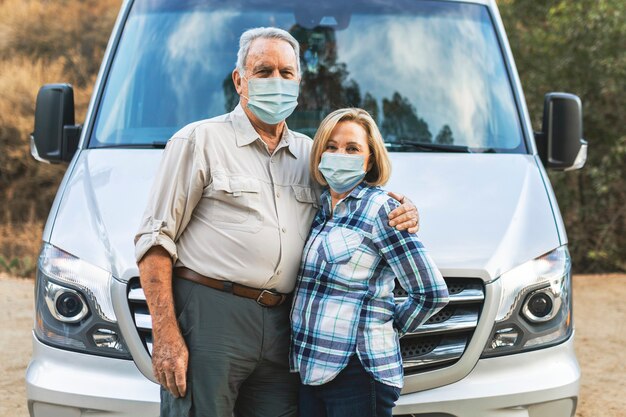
pixel 344 302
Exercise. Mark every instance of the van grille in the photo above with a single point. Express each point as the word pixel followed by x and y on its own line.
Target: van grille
pixel 439 342
pixel 140 313
pixel 442 340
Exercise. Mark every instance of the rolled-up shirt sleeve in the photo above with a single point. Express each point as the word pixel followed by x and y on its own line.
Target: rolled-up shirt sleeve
pixel 177 189
pixel 414 269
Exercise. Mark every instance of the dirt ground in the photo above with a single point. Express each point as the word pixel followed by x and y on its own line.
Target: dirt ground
pixel 599 314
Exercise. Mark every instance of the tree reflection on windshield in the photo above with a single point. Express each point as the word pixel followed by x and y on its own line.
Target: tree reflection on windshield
pixel 427 72
pixel 326 85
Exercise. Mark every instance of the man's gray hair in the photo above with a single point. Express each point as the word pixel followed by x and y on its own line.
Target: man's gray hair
pixel 266 33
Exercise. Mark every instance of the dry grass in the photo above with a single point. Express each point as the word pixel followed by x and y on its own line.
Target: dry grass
pixel 42 42
pixel 19 248
pixel 26 186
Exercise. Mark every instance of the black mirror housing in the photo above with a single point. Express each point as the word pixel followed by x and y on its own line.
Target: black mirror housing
pixel 55 138
pixel 560 143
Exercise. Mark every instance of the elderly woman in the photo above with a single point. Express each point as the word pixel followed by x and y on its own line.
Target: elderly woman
pixel 345 322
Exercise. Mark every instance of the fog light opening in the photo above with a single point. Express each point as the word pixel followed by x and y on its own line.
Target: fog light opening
pixel 107 338
pixel 505 338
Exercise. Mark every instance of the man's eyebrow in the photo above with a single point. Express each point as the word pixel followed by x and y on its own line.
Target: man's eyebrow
pixel 260 67
pixel 270 67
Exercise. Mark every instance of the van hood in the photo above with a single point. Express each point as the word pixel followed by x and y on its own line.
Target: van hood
pixel 480 214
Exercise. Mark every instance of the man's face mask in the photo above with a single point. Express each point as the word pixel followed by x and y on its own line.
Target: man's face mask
pixel 272 99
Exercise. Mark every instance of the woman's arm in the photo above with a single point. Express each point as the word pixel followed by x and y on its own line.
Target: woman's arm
pixel 414 269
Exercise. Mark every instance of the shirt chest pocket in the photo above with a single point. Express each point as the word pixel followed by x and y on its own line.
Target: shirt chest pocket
pixel 234 202
pixel 305 208
pixel 339 245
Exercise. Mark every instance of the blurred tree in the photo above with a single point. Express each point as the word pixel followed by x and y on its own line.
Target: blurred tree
pixel 444 136
pixel 401 122
pixel 370 104
pixel 578 47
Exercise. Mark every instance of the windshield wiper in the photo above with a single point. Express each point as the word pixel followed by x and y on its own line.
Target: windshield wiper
pixel 154 145
pixel 433 147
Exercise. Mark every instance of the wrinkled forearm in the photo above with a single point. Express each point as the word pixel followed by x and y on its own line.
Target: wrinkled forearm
pixel 155 274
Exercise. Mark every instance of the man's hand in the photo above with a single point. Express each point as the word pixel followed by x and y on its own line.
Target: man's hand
pixel 170 355
pixel 169 361
pixel 406 216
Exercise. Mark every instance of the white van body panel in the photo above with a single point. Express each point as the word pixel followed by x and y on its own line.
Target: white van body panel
pixel 496 222
pixel 481 215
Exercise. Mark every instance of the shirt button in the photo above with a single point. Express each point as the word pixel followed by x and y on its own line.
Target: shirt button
pixel 284 230
pixel 277 194
pixel 279 272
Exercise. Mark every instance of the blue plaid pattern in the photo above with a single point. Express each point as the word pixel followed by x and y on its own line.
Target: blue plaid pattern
pixel 344 301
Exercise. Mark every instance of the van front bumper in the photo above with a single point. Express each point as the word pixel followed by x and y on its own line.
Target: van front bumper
pixel 542 383
pixel 61 383
pixel 534 384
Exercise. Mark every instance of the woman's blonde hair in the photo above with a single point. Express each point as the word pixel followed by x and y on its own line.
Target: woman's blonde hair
pixel 380 166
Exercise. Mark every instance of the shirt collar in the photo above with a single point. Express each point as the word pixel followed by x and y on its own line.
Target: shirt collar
pixel 245 133
pixel 357 193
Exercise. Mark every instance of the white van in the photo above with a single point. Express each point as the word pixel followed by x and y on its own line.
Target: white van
pixel 439 78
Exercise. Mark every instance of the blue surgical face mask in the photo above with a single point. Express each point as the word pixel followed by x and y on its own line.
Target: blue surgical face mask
pixel 342 172
pixel 272 99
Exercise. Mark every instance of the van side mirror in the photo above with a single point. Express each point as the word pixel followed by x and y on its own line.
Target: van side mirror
pixel 560 143
pixel 55 138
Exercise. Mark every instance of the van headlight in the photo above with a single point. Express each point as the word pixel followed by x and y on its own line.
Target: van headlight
pixel 536 306
pixel 73 308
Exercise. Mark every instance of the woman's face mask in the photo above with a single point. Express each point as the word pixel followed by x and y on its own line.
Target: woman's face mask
pixel 346 158
pixel 342 172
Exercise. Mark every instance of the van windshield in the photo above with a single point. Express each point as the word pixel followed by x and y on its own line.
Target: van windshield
pixel 431 73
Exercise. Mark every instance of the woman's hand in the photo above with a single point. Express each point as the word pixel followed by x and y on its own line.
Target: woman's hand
pixel 406 217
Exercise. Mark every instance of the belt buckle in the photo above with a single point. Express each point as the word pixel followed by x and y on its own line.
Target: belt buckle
pixel 260 301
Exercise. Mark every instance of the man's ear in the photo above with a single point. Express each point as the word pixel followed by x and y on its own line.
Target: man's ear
pixel 237 80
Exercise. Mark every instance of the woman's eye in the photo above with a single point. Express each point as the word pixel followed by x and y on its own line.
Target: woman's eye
pixel 331 147
pixel 353 149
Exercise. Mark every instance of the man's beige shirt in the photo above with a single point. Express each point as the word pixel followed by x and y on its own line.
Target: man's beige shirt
pixel 225 207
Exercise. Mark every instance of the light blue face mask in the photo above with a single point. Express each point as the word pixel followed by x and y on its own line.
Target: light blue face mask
pixel 272 99
pixel 342 172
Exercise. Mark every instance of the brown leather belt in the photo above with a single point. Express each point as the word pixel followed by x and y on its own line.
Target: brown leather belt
pixel 266 298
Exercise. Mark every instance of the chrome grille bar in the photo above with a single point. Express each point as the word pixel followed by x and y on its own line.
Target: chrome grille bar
pixel 136 295
pixel 468 295
pixel 447 350
pixel 143 321
pixel 461 320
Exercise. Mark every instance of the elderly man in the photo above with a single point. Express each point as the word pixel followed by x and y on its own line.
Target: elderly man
pixel 230 209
